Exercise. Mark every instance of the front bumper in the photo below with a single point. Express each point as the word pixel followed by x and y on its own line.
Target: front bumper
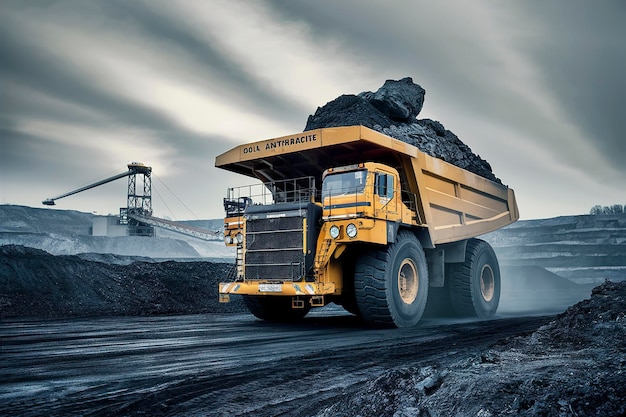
pixel 286 289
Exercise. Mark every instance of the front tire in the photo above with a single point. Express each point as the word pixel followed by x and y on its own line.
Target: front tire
pixel 391 284
pixel 277 309
pixel 475 283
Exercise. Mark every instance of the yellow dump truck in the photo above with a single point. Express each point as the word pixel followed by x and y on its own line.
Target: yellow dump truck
pixel 351 216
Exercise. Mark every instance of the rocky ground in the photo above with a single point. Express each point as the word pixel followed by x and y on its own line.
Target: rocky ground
pixel 573 366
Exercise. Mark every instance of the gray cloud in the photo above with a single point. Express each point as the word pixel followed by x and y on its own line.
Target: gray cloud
pixel 214 64
pixel 25 64
pixel 547 76
pixel 33 66
pixel 584 62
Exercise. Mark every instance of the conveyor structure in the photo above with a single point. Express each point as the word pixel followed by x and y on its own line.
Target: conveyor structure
pixel 137 214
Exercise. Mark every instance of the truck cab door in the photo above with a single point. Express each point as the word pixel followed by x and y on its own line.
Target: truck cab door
pixel 385 200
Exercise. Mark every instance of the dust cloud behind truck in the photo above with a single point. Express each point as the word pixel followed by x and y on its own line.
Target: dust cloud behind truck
pixel 351 216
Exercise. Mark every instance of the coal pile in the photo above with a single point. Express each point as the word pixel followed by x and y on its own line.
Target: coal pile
pixel 393 110
pixel 573 366
pixel 34 283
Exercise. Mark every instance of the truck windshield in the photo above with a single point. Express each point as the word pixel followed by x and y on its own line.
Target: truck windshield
pixel 344 183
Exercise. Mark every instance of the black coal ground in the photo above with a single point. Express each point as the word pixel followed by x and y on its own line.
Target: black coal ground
pixel 573 366
pixel 35 284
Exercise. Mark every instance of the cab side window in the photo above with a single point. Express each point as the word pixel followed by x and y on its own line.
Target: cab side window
pixel 384 185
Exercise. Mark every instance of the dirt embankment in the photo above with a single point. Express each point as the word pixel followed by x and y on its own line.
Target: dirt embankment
pixel 34 283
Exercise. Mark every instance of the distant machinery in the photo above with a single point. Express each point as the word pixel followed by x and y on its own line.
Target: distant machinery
pixel 137 214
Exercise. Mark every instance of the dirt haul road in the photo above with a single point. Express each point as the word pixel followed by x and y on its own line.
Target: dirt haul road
pixel 218 365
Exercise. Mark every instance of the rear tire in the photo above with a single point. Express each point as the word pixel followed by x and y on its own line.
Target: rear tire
pixel 276 309
pixel 475 284
pixel 391 283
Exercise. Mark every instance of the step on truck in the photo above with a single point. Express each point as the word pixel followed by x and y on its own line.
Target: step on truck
pixel 352 216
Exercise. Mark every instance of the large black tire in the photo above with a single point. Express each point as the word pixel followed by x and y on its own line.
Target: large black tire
pixel 391 283
pixel 276 309
pixel 475 284
pixel 348 299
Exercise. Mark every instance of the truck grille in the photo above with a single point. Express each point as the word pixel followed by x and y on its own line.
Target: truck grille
pixel 274 249
pixel 275 242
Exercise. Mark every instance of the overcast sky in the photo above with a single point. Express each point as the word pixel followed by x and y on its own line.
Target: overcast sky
pixel 537 88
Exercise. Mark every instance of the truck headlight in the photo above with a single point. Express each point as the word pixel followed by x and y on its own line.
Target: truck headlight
pixel 228 240
pixel 239 238
pixel 334 232
pixel 351 230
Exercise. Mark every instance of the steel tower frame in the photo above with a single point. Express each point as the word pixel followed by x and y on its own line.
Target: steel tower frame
pixel 139 204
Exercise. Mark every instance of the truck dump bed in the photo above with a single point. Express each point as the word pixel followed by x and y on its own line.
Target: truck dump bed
pixel 453 203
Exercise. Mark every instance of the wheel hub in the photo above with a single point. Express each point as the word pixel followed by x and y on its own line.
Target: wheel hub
pixel 408 281
pixel 487 283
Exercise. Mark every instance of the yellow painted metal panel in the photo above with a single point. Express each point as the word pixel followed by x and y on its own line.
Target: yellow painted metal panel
pixel 269 147
pixel 312 139
pixel 439 184
pixel 461 176
pixel 480 198
pixel 445 216
pixel 463 206
pixel 455 232
pixel 338 135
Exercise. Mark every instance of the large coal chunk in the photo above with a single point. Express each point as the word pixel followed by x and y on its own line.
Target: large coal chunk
pixel 347 110
pixel 401 101
pixel 392 110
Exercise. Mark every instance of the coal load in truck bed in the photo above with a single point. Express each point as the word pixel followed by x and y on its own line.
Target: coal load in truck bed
pixel 393 110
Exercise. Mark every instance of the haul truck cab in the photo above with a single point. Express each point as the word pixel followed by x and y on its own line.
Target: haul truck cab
pixel 351 216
